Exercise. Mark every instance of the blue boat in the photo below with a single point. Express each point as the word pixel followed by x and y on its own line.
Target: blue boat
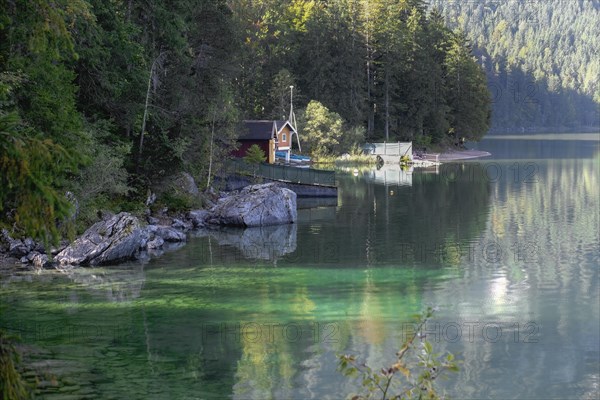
pixel 293 157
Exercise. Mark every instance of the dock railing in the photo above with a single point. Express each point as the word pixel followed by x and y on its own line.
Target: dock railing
pixel 307 176
pixel 398 149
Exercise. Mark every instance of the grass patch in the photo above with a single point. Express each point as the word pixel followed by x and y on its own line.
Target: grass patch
pixel 346 159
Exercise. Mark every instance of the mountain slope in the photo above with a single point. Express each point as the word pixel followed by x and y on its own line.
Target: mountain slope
pixel 541 59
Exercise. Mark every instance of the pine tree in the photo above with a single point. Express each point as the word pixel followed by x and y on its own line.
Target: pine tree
pixel 467 93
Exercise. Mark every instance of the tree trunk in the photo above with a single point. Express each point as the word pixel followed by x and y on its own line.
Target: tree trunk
pixel 141 144
pixel 371 114
pixel 129 10
pixel 387 106
pixel 210 157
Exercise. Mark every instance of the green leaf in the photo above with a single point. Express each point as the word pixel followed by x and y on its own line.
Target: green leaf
pixel 427 347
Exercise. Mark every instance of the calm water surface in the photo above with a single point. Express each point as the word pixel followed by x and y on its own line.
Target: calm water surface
pixel 506 247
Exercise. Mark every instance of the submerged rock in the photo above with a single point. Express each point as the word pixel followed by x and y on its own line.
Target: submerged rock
pixel 115 239
pixel 262 243
pixel 114 284
pixel 256 205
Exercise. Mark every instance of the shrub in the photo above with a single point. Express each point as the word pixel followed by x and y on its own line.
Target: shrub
pixel 411 376
pixel 179 201
pixel 102 184
pixel 321 129
pixel 255 155
pixel 421 141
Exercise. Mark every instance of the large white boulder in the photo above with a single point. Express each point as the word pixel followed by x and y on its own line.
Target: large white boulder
pixel 255 205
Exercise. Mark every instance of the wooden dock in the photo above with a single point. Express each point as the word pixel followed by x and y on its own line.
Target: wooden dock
pixel 389 153
pixel 305 182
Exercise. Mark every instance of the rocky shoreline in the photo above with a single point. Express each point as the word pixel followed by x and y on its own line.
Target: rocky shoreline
pixel 123 237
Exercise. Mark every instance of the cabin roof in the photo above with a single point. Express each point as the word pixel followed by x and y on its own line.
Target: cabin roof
pixel 280 124
pixel 257 130
pixel 262 129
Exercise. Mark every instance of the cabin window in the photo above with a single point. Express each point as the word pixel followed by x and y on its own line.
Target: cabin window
pixel 283 137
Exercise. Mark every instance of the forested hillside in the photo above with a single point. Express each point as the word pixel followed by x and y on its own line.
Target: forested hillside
pixel 106 98
pixel 385 65
pixel 541 59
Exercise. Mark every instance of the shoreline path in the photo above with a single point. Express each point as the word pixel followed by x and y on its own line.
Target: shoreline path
pixel 462 155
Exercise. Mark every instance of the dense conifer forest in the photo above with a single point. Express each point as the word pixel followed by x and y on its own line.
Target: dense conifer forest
pixel 540 57
pixel 104 99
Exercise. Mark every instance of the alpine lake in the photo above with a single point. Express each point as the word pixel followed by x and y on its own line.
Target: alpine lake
pixel 505 247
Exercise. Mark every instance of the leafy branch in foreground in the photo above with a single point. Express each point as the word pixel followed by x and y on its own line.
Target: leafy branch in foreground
pixel 12 385
pixel 411 376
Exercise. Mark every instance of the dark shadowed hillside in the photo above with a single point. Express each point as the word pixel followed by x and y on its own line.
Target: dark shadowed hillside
pixel 541 58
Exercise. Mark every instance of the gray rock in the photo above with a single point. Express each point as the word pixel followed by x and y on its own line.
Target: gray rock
pixel 256 205
pixel 208 203
pixel 39 260
pixel 39 247
pixel 61 246
pixel 145 237
pixel 151 230
pixel 17 248
pixel 181 225
pixel 185 183
pixel 151 199
pixel 29 242
pixel 156 243
pixel 74 203
pixel 178 184
pixel 167 233
pixel 105 215
pixel 113 240
pixel 198 217
pixel 4 239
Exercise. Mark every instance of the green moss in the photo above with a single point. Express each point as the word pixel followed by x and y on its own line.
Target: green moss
pixel 179 202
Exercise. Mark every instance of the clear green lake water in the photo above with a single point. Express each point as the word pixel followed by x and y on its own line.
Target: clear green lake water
pixel 507 248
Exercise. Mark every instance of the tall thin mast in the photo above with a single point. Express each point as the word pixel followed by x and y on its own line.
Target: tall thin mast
pixel 292 118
